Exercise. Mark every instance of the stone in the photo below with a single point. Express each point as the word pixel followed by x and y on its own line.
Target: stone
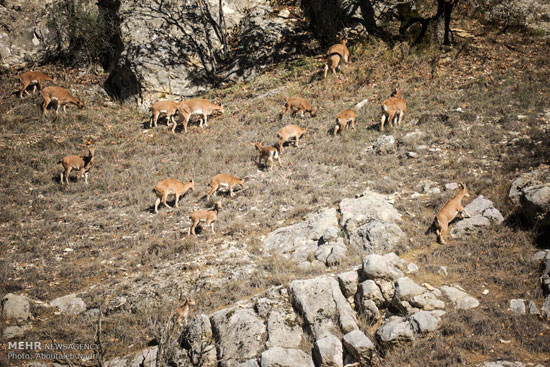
pixel 533 310
pixel 300 241
pixel 376 237
pixel 16 307
pixel 442 271
pixel 545 311
pixel 348 283
pixel 369 290
pixel 406 288
pixel 283 330
pixel 385 144
pixel 369 311
pixel 370 206
pixel 427 301
pixel 460 298
pixel 323 306
pixel 412 137
pixel 387 288
pixel 281 357
pixel 377 266
pixel 70 304
pixel 451 186
pixel 240 334
pixel 359 346
pixel 197 339
pixel 394 331
pixel 517 306
pixel 328 351
pixel 338 253
pixel 424 322
pixel 483 214
pixel 412 268
pixel 249 363
pixel 145 358
pixel 11 332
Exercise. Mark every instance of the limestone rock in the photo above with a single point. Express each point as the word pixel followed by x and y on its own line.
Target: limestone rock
pixel 348 283
pixel 483 213
pixel 377 266
pixel 328 351
pixel 240 334
pixel 406 288
pixel 281 357
pixel 424 322
pixel 70 304
pixel 197 339
pixel 518 306
pixel 323 305
pixel 368 207
pixel 395 331
pixel 376 237
pixel 369 290
pixel 283 331
pixel 359 346
pixel 460 298
pixel 15 307
pixel 300 240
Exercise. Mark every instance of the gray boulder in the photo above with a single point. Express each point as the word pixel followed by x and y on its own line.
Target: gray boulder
pixel 70 304
pixel 406 288
pixel 483 214
pixel 250 363
pixel 359 346
pixel 376 237
pixel 281 357
pixel 394 331
pixel 240 334
pixel 283 330
pixel 11 332
pixel 545 311
pixel 16 307
pixel 424 322
pixel 369 290
pixel 460 298
pixel 427 301
pixel 328 351
pixel 370 206
pixel 518 306
pixel 348 283
pixel 385 144
pixel 377 266
pixel 300 241
pixel 324 307
pixel 197 339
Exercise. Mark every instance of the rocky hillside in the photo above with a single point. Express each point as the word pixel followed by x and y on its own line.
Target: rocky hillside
pixel 323 261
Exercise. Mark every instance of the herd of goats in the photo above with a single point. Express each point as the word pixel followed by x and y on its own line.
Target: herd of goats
pixel 393 110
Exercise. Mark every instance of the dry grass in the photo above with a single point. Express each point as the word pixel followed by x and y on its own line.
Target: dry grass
pixel 116 239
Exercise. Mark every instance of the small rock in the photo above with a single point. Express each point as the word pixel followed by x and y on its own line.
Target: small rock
pixel 546 308
pixel 281 357
pixel 328 351
pixel 517 306
pixel 70 304
pixel 396 330
pixel 15 307
pixel 285 13
pixel 460 298
pixel 485 292
pixel 359 346
pixel 377 266
pixel 412 268
pixel 424 322
pixel 11 332
pixel 533 310
pixel 412 154
pixel 451 186
pixel 406 288
pixel 348 283
pixel 442 271
pixel 522 117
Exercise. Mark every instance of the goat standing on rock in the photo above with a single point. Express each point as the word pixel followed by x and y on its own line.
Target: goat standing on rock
pixel 449 211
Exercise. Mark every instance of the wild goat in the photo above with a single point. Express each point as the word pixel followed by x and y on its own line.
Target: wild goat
pixel 342 121
pixel 225 180
pixel 393 107
pixel 449 212
pixel 197 106
pixel 298 104
pixel 290 131
pixel 208 216
pixel 267 154
pixel 82 164
pixel 60 96
pixel 33 78
pixel 168 108
pixel 183 311
pixel 336 53
pixel 171 187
